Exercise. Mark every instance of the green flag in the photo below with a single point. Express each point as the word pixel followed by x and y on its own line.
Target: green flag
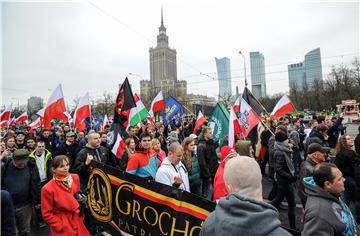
pixel 219 122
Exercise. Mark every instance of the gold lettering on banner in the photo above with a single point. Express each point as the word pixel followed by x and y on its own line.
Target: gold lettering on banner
pixel 124 186
pixel 99 198
pixel 160 222
pixel 185 231
pixel 155 213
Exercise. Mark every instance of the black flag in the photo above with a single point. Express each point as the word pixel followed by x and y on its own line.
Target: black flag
pixel 253 102
pixel 124 102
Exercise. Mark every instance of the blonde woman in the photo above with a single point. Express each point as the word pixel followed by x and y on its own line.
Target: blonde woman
pixel 160 154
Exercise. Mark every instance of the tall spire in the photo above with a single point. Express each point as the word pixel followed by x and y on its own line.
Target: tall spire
pixel 162 19
pixel 162 29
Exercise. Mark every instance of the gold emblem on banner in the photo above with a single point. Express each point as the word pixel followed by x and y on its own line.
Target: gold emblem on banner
pixel 99 198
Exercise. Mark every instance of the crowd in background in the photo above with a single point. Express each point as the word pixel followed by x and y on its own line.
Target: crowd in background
pixel 39 164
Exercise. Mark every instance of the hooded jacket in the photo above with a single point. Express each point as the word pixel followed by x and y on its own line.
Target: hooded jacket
pixel 238 215
pixel 284 168
pixel 326 214
pixel 167 172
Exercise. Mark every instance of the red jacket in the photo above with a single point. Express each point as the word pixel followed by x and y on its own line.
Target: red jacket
pixel 61 210
pixel 219 183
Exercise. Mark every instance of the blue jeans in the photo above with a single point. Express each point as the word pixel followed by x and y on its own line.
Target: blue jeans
pixel 286 190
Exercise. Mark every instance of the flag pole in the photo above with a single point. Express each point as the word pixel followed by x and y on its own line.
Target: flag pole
pixel 189 110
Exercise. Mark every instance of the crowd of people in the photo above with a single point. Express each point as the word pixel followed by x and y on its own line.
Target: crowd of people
pixel 44 175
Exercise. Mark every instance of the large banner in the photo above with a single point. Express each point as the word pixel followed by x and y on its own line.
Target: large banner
pixel 125 204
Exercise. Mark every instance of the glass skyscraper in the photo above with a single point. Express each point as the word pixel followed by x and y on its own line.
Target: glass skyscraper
pixel 305 73
pixel 257 65
pixel 224 77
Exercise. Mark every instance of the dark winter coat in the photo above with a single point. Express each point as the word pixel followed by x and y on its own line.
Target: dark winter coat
pixel 325 214
pixel 208 159
pixel 100 154
pixel 284 168
pixel 35 183
pixel 345 161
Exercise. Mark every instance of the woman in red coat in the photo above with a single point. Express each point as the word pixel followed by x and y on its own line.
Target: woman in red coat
pixel 59 207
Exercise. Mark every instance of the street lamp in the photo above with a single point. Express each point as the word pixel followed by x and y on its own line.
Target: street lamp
pixel 244 67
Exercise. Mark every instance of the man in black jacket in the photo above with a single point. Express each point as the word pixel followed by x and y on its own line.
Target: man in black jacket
pixel 92 151
pixel 21 179
pixel 284 175
pixel 70 147
pixel 208 160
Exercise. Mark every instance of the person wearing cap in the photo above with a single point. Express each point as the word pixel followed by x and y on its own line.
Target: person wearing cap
pixel 220 191
pixel 284 175
pixel 21 179
pixel 70 148
pixel 315 155
pixel 20 138
pixel 243 211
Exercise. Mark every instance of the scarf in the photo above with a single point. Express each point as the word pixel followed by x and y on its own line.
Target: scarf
pixel 64 181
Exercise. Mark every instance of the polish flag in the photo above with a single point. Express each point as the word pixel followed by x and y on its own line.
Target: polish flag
pixel 35 124
pixel 236 106
pixel 22 117
pixel 282 107
pixel 55 107
pixel 234 127
pixel 248 118
pixel 6 114
pixel 119 147
pixel 157 104
pixel 199 121
pixel 106 121
pixel 12 121
pixel 83 111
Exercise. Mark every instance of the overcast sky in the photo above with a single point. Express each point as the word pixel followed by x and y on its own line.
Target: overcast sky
pixel 91 46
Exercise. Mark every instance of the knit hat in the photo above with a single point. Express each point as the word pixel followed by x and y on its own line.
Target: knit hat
pixel 315 147
pixel 280 136
pixel 227 152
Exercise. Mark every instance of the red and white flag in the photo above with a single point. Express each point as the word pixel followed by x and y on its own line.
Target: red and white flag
pixel 236 106
pixel 282 107
pixel 234 127
pixel 199 121
pixel 6 114
pixel 157 104
pixel 83 111
pixel 12 121
pixel 105 122
pixel 248 118
pixel 35 124
pixel 22 117
pixel 119 147
pixel 55 107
